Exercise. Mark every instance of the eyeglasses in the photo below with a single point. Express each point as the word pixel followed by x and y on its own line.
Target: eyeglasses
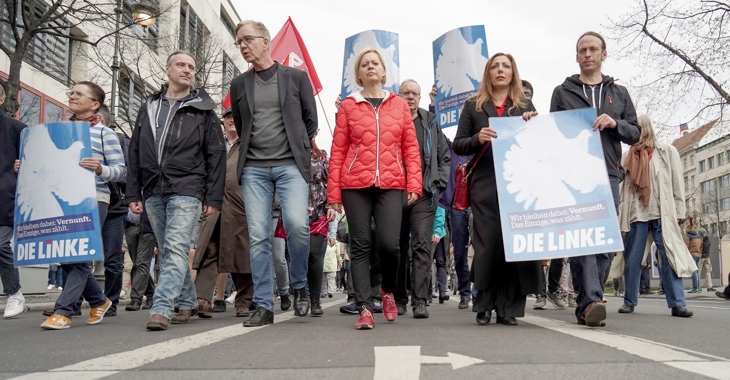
pixel 246 40
pixel 410 93
pixel 77 95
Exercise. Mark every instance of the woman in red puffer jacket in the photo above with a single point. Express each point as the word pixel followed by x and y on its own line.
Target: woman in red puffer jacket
pixel 374 158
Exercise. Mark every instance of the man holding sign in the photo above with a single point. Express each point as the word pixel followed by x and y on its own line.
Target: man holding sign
pixel 617 123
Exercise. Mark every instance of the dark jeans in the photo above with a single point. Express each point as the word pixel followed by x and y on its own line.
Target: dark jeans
pixel 55 275
pixel 555 270
pixel 141 250
pixel 385 206
pixel 315 265
pixel 80 282
pixel 460 239
pixel 416 260
pixel 8 272
pixel 112 234
pixel 441 274
pixel 644 283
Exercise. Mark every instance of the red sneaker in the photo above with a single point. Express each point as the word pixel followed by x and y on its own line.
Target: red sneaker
pixel 366 320
pixel 390 310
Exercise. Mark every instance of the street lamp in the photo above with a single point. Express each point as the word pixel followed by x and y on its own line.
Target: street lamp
pixel 143 14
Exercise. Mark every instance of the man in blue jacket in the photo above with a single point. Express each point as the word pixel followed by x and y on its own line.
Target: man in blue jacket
pixel 616 120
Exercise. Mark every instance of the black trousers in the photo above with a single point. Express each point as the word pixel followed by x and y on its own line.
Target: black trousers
pixel 316 264
pixel 416 259
pixel 141 246
pixel 553 281
pixel 644 283
pixel 385 207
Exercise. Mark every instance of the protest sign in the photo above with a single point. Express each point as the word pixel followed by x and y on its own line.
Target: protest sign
pixel 387 43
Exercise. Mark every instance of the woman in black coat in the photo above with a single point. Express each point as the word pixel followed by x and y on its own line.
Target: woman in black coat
pixel 500 285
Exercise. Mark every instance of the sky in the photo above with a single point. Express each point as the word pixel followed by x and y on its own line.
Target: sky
pixel 541 35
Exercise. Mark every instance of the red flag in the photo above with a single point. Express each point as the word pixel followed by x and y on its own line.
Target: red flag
pixel 227 101
pixel 287 47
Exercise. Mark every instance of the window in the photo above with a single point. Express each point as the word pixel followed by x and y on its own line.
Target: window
pixel 693 205
pixel 52 112
pixel 723 228
pixel 725 204
pixel 686 183
pixel 131 96
pixel 230 71
pixel 193 37
pixel 720 160
pixel 227 22
pixel 727 156
pixel 724 180
pixel 702 166
pixel 35 107
pixel 150 35
pixel 710 163
pixel 684 162
pixel 30 107
pixel 709 207
pixel 48 52
pixel 708 186
pixel 692 181
pixel 713 229
pixel 691 159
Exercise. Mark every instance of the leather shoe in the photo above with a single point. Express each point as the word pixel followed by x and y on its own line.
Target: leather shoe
pixel 157 323
pixel 48 313
pixel 205 309
pixel 507 321
pixel 285 302
pixel 582 321
pixel 301 302
pixel 219 306
pixel 443 298
pixel 626 309
pixel 681 311
pixel 595 313
pixel 420 311
pixel 719 294
pixel 243 311
pixel 147 304
pixel 110 313
pixel 317 309
pixel 464 303
pixel 182 317
pixel 484 318
pixel 135 305
pixel 402 309
pixel 260 317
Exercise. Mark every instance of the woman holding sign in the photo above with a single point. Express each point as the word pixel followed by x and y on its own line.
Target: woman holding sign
pixel 107 162
pixel 373 140
pixel 501 286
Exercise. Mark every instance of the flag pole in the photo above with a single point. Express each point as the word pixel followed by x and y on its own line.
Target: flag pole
pixel 325 115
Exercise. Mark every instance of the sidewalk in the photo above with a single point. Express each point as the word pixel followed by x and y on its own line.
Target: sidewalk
pixel 40 302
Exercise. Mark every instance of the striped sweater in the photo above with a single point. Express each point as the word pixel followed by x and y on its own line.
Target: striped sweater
pixel 106 148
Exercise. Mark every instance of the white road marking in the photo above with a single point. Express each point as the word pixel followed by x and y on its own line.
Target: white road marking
pixel 676 357
pixel 457 361
pixel 127 360
pixel 404 362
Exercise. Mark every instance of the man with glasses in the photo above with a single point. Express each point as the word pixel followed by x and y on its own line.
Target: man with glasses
pixel 417 224
pixel 276 118
pixel 176 169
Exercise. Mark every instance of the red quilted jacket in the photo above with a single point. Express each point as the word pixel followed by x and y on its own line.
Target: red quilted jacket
pixel 369 145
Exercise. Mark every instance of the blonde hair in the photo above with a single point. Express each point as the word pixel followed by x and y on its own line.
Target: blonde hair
pixel 359 60
pixel 516 92
pixel 647 136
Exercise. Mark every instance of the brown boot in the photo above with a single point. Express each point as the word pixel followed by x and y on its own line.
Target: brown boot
pixel 157 323
pixel 204 309
pixel 181 317
pixel 243 311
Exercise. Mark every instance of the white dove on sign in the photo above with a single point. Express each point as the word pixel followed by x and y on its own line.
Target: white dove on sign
pixel 44 171
pixel 456 70
pixel 540 167
pixel 368 40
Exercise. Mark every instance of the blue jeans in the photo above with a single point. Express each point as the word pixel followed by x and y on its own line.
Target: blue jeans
pixel 259 185
pixel 634 251
pixel 112 234
pixel 173 219
pixel 55 275
pixel 696 275
pixel 460 239
pixel 8 272
pixel 281 267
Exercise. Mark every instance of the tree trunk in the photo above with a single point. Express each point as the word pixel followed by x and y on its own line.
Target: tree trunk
pixel 12 87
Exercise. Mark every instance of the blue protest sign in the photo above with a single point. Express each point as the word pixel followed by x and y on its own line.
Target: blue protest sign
pixel 459 58
pixel 387 43
pixel 555 199
pixel 56 214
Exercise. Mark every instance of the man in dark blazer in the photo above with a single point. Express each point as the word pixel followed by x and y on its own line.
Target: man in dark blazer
pixel 9 149
pixel 276 118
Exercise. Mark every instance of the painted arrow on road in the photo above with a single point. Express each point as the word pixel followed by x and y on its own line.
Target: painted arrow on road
pixel 404 362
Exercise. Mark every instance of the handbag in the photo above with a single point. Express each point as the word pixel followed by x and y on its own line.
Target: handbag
pixel 280 232
pixel 461 193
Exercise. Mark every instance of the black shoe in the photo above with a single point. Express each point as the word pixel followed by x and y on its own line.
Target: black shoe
pixel 464 303
pixel 285 302
pixel 77 313
pixel 681 311
pixel 626 309
pixel 111 313
pixel 219 306
pixel 147 304
pixel 719 294
pixel 330 295
pixel 316 309
pixel 484 318
pixel 710 289
pixel 135 305
pixel 301 302
pixel 443 298
pixel 402 309
pixel 420 311
pixel 48 313
pixel 507 321
pixel 260 317
pixel 349 308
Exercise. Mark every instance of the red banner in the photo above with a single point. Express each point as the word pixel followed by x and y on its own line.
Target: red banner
pixel 289 49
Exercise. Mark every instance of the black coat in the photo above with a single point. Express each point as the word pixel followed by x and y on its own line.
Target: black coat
pixel 298 108
pixel 489 263
pixel 9 152
pixel 438 163
pixel 193 161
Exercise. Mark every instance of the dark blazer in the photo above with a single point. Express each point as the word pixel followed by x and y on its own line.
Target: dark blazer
pixel 298 108
pixel 9 151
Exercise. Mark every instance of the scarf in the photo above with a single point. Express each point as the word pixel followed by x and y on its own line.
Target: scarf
pixel 93 119
pixel 637 167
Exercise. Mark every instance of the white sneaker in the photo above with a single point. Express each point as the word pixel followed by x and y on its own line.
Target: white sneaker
pixel 50 287
pixel 123 294
pixel 60 288
pixel 15 305
pixel 231 298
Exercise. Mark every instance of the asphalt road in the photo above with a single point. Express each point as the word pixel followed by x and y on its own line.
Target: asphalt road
pixel 546 344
